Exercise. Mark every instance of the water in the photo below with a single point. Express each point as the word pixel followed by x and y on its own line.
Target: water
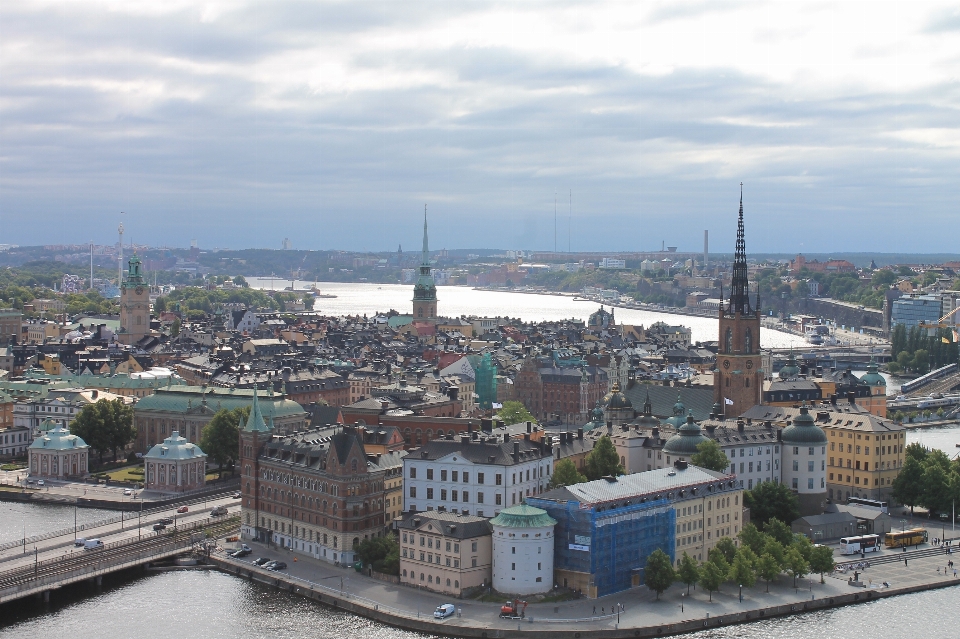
pixel 19 519
pixel 369 299
pixel 214 605
pixel 945 438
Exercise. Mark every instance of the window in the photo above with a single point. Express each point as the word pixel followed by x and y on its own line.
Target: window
pixel 810 483
pixel 479 478
pixel 453 475
pixel 413 492
pixel 466 478
pixel 429 473
pixel 810 467
pixel 429 493
pixel 473 561
pixel 443 475
pixel 499 479
pixel 473 547
pixel 443 493
pixel 795 483
pixel 413 472
pixel 796 450
pixel 796 465
pixel 453 495
pixel 499 499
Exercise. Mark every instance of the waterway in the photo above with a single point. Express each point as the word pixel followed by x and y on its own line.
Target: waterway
pixel 20 520
pixel 214 605
pixel 454 301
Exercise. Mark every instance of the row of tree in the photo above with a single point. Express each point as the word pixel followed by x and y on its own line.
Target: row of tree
pixel 919 349
pixel 761 555
pixel 928 479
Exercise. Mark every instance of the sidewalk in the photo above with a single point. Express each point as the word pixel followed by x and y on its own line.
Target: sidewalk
pixel 641 608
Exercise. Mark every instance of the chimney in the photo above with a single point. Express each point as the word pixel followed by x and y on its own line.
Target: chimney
pixel 680 464
pixel 655 432
pixel 740 425
pixel 580 433
pixel 526 436
pixel 529 427
pixel 852 397
pixel 833 399
pixel 464 439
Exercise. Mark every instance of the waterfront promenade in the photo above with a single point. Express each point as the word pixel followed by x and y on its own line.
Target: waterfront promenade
pixel 641 614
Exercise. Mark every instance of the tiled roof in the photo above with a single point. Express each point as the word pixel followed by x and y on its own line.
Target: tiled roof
pixel 647 484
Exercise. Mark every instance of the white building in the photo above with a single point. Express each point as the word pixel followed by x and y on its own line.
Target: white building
pixel 175 465
pixel 805 462
pixel 474 476
pixel 523 550
pixel 612 262
pixel 58 454
pixel 753 449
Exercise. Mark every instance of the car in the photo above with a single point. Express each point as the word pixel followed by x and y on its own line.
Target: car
pixel 159 527
pixel 219 511
pixel 182 509
pixel 79 541
pixel 243 552
pixel 236 495
pixel 276 565
pixel 127 492
pixel 444 610
pixel 166 521
pixel 40 482
pixel 261 561
pixel 92 544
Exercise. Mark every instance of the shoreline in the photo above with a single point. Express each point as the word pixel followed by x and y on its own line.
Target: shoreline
pixel 383 614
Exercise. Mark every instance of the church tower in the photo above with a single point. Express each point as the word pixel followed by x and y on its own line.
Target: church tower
pixel 738 379
pixel 425 290
pixel 134 305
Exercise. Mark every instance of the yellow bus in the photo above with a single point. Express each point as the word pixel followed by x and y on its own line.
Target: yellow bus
pixel 905 538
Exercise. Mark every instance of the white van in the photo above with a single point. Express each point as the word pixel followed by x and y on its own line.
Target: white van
pixel 92 544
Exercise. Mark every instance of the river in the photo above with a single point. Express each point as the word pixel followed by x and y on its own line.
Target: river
pixel 19 520
pixel 454 301
pixel 214 605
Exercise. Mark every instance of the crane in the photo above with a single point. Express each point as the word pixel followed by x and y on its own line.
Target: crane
pixel 942 323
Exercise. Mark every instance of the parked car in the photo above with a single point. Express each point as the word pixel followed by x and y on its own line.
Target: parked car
pixel 243 552
pixel 159 527
pixel 219 511
pixel 444 610
pixel 182 509
pixel 236 495
pixel 40 482
pixel 166 521
pixel 127 491
pixel 276 565
pixel 261 561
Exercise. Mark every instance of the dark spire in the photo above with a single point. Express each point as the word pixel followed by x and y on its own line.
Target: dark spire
pixel 740 293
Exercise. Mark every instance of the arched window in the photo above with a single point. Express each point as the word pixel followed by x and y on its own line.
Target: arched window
pixel 728 341
pixel 748 341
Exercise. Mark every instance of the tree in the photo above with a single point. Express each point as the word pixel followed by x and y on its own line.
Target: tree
pixel 220 438
pixel 711 576
pixel 779 531
pixel 241 281
pixel 658 573
pixel 821 560
pixel 751 537
pixel 106 425
pixel 603 460
pixel 565 473
pixel 381 553
pixel 771 500
pixel 514 413
pixel 936 487
pixel 776 550
pixel 727 547
pixel 689 572
pixel 160 305
pixel 908 485
pixel 742 571
pixel 768 568
pixel 803 544
pixel 175 327
pixel 717 558
pixel 797 566
pixel 921 361
pixel 710 456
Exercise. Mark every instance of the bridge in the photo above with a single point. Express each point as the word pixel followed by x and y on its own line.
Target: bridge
pixel 45 575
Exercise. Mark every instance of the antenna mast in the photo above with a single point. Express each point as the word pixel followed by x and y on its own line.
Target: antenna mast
pixel 120 244
pixel 554 221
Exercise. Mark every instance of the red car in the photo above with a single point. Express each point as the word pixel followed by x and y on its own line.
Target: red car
pixel 182 509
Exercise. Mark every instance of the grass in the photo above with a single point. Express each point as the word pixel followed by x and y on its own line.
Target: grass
pixel 14 466
pixel 128 473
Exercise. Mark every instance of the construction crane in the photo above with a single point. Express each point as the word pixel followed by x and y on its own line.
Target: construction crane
pixel 942 323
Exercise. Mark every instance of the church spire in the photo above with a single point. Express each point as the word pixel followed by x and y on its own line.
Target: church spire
pixel 425 259
pixel 740 293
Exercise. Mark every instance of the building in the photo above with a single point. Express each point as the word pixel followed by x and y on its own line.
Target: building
pixel 175 465
pixel 14 441
pixel 425 290
pixel 312 492
pixel 607 528
pixel 444 552
pixel 865 455
pixel 60 405
pixel 11 326
pixel 738 380
pixel 753 448
pixel 475 476
pixel 564 393
pixel 56 454
pixel 241 320
pixel 913 310
pixel 805 462
pixel 134 305
pixel 523 549
pixel 187 409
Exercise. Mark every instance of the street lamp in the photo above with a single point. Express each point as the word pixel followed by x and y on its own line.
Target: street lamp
pixel 682 595
pixel 741 593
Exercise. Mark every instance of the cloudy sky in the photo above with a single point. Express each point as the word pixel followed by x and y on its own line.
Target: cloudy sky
pixel 333 123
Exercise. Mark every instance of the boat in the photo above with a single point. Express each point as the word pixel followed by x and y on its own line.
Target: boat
pixel 317 294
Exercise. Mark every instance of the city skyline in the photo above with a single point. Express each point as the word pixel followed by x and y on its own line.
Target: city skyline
pixel 241 125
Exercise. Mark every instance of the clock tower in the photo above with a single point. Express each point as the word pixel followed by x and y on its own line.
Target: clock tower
pixel 134 305
pixel 738 378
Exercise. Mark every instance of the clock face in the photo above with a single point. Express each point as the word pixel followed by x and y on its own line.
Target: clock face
pixel 139 290
pixel 749 364
pixel 726 363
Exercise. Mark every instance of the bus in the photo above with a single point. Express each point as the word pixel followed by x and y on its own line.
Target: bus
pixel 911 537
pixel 869 503
pixel 857 545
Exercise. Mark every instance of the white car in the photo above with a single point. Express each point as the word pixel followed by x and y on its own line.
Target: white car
pixel 39 482
pixel 127 492
pixel 444 610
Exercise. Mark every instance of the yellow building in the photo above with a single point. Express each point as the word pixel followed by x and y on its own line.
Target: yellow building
pixel 864 456
pixel 445 552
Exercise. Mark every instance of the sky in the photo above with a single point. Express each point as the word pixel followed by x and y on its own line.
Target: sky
pixel 589 126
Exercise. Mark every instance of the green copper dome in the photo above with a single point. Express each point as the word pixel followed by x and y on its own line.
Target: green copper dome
pixel 679 412
pixel 685 442
pixel 803 430
pixel 615 399
pixel 597 419
pixel 873 377
pixel 790 369
pixel 523 516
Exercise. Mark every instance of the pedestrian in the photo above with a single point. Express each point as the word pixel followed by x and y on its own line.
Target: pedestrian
pixel 603 611
pixel 594 611
pixel 938 570
pixel 954 572
pixel 904 562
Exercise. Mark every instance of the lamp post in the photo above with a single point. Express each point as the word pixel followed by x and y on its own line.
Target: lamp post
pixel 741 593
pixel 682 595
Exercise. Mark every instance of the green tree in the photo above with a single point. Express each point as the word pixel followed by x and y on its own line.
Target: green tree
pixel 779 531
pixel 797 566
pixel 742 571
pixel 711 576
pixel 751 537
pixel 175 327
pixel 381 553
pixel 776 550
pixel 565 473
pixel 921 361
pixel 220 438
pixel 717 558
pixel 727 547
pixel 689 572
pixel 908 485
pixel 106 425
pixel 160 305
pixel 241 281
pixel 936 488
pixel 772 500
pixel 603 460
pixel 821 560
pixel 658 573
pixel 918 451
pixel 514 413
pixel 768 568
pixel 710 456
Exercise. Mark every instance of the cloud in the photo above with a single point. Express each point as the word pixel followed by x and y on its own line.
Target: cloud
pixel 242 123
